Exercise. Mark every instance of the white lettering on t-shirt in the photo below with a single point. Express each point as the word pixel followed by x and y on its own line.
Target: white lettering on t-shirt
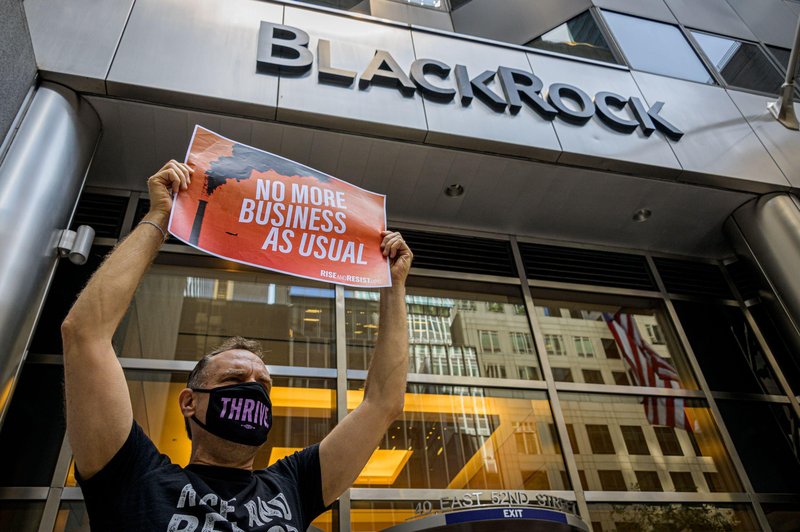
pixel 177 520
pixel 212 518
pixel 187 492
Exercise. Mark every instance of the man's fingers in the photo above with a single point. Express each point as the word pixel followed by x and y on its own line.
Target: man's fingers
pixel 388 242
pixel 182 171
pixel 395 244
pixel 387 236
pixel 173 180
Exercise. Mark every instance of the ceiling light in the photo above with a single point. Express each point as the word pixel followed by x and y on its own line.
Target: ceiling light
pixel 454 190
pixel 642 215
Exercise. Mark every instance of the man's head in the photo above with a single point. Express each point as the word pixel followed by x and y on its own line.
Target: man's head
pixel 236 361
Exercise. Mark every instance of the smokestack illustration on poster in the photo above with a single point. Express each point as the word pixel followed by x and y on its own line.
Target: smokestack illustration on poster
pixel 238 166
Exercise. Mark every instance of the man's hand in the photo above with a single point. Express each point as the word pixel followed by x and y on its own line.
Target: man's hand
pixel 400 256
pixel 172 178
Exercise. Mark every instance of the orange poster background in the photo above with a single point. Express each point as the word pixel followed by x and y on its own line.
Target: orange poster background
pixel 221 234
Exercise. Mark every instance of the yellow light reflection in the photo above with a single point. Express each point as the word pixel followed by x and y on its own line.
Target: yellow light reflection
pixel 383 466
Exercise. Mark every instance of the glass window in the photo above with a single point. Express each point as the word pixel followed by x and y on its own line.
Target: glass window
pixel 656 47
pixel 357 6
pixel 72 517
pixel 583 346
pixel 740 64
pixel 654 332
pixel 573 441
pixel 467 438
pixel 21 516
pixel 455 328
pixel 779 344
pixel 781 54
pixel 683 481
pixel 554 344
pixel 562 375
pixel 600 439
pixel 763 434
pixel 670 517
pixel 668 441
pixel 34 427
pixel 490 341
pixel 495 371
pixel 782 517
pixel 494 306
pixel 593 376
pixel 610 348
pixel 606 417
pixel 648 481
pixel 603 321
pixel 578 36
pixel 611 480
pixel 713 482
pixel 184 312
pixel 635 441
pixel 621 378
pixel 522 342
pixel 304 412
pixel 726 347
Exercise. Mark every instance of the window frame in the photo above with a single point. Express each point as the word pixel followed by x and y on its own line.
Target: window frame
pixel 721 81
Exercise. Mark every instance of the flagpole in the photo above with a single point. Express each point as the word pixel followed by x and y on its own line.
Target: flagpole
pixel 783 108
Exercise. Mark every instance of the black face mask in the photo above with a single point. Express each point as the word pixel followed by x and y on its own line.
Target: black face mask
pixel 241 413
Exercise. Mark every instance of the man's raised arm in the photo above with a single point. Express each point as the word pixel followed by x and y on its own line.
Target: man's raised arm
pixel 346 450
pixel 99 413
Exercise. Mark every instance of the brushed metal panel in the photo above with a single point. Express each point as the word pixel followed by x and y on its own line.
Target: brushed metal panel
pixel 782 144
pixel 652 9
pixel 772 21
pixel 568 204
pixel 518 21
pixel 75 40
pixel 40 180
pixel 711 15
pixel 502 194
pixel 594 143
pixel 719 148
pixel 17 66
pixel 770 227
pixel 378 110
pixel 476 126
pixel 196 54
pixel 410 14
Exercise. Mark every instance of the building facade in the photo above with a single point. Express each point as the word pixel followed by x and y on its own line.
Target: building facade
pixel 552 164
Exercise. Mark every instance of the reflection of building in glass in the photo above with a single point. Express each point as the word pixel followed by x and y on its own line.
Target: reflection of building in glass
pixel 448 336
pixel 472 438
pixel 617 449
pixel 180 313
pixel 581 347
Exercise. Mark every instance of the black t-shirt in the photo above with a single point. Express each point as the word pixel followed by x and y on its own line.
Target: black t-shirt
pixel 141 489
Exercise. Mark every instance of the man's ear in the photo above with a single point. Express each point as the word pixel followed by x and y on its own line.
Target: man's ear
pixel 187 402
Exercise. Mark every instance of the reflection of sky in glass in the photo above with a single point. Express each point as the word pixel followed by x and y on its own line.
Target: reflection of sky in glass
pixel 559 34
pixel 656 47
pixel 718 49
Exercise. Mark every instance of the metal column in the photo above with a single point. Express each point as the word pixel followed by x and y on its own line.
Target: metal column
pixel 766 232
pixel 40 180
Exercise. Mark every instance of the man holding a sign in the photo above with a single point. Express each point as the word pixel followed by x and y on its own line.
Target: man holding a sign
pixel 126 483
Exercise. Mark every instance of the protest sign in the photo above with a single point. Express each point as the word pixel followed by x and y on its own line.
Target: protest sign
pixel 257 208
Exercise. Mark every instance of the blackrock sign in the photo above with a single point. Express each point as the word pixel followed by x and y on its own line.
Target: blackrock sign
pixel 284 50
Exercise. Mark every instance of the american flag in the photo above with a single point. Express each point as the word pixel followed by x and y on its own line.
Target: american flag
pixel 648 369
